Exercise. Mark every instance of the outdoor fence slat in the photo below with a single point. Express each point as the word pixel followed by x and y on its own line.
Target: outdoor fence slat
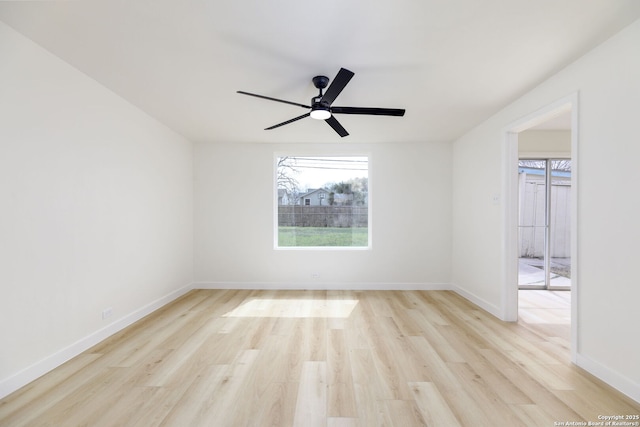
pixel 323 216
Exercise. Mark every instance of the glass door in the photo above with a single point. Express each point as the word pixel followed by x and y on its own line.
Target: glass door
pixel 560 225
pixel 544 225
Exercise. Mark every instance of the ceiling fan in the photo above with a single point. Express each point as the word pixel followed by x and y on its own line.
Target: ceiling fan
pixel 321 108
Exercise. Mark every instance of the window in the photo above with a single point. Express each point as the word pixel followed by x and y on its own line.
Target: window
pixel 322 201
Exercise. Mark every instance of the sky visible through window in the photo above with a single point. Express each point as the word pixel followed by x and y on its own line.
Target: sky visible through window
pixel 316 172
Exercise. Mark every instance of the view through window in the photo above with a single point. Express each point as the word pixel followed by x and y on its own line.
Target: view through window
pixel 323 201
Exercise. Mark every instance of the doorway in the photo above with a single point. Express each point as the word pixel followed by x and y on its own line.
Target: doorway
pixel 561 115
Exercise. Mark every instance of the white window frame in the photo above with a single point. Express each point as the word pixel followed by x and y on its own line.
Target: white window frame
pixel 370 197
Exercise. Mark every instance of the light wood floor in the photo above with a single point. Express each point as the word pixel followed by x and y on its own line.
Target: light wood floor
pixel 323 358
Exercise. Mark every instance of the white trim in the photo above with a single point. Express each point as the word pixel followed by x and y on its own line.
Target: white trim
pixel 544 155
pixel 544 114
pixel 352 286
pixel 575 271
pixel 480 302
pixel 323 248
pixel 24 377
pixel 509 297
pixel 509 309
pixel 613 378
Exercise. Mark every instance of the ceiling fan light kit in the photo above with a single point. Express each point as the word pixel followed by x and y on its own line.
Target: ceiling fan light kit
pixel 321 106
pixel 320 113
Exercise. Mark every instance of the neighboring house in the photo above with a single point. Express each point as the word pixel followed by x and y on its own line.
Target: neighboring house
pixel 322 197
pixel 317 197
pixel 283 197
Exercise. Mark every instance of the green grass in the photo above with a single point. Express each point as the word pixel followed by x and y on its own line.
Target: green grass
pixel 322 236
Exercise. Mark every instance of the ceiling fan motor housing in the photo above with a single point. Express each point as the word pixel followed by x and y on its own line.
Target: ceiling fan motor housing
pixel 320 82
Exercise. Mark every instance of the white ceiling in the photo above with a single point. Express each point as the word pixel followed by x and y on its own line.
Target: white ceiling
pixel 450 63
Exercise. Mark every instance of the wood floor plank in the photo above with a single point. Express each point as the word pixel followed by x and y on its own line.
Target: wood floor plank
pixel 195 405
pixel 534 415
pixel 486 398
pixel 341 397
pixel 275 408
pixel 432 406
pixel 27 403
pixel 342 422
pixel 465 408
pixel 433 333
pixel 328 358
pixel 311 404
pixel 529 385
pixel 371 410
pixel 392 386
pixel 81 407
pixel 224 398
pixel 153 411
pixel 404 413
pixel 136 405
pixel 509 392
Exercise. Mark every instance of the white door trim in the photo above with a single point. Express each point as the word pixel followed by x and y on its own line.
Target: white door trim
pixel 510 209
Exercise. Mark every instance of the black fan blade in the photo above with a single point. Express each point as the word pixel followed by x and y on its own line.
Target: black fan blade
pixel 289 121
pixel 273 99
pixel 335 124
pixel 366 110
pixel 336 86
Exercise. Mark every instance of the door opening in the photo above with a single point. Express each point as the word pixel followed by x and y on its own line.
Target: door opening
pixel 544 145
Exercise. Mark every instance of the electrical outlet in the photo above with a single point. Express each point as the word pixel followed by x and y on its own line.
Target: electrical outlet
pixel 107 312
pixel 315 275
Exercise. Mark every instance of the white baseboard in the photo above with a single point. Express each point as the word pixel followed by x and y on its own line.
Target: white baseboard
pixel 24 377
pixel 325 286
pixel 483 304
pixel 609 376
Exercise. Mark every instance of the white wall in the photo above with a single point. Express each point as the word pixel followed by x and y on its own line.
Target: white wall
pixel 410 197
pixel 544 144
pixel 608 204
pixel 95 211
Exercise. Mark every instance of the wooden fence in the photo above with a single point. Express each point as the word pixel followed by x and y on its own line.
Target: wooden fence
pixel 532 220
pixel 323 216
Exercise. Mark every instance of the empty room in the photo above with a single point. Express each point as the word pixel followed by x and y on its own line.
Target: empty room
pixel 183 242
